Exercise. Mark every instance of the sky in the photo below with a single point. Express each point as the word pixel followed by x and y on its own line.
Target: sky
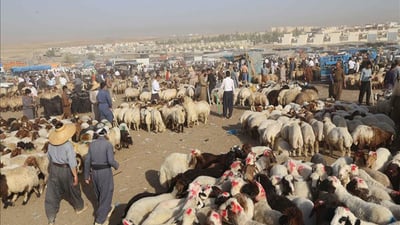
pixel 27 21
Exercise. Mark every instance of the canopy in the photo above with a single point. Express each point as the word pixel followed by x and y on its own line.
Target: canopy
pixel 30 68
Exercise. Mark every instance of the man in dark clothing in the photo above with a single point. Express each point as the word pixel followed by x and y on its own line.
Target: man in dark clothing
pixel 212 81
pixel 98 163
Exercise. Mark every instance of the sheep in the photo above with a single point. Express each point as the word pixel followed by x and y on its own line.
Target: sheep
pixel 157 121
pixel 243 119
pixel 306 95
pixel 364 210
pixel 114 136
pixel 145 96
pixel 139 209
pixel 340 139
pixel 176 163
pixel 22 179
pixel 295 138
pixel 379 159
pixel 191 114
pixel 202 109
pixel 132 118
pixel 344 215
pixel 373 137
pixel 258 99
pixel 264 214
pixel 244 94
pixel 306 206
pixel 168 94
pixel 308 138
pixel 178 118
pixel 393 173
pixel 339 121
pixel 318 128
pixel 270 133
pixel 131 93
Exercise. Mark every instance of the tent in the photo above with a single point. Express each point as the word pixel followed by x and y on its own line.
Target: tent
pixel 30 68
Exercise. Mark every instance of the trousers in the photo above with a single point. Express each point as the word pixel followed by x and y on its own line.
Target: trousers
pixel 103 184
pixel 365 88
pixel 227 103
pixel 59 184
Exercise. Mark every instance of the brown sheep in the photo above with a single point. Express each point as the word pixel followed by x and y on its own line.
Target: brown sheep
pixel 381 138
pixel 306 95
pixel 15 152
pixel 23 133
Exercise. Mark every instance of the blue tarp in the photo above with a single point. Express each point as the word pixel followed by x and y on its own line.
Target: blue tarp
pixel 30 68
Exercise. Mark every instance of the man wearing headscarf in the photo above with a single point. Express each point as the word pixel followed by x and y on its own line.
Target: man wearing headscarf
pixel 98 163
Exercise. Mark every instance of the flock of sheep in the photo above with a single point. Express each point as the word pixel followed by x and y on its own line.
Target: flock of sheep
pixel 265 185
pixel 247 185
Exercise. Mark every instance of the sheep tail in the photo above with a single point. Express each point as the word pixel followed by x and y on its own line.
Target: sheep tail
pixel 163 177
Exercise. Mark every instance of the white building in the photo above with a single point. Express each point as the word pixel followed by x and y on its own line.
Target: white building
pixel 287 39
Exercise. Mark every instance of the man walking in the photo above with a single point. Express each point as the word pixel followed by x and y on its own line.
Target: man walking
pixel 98 163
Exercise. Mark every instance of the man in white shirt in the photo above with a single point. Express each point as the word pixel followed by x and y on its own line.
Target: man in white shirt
pixel 63 81
pixel 352 65
pixel 228 86
pixel 117 73
pixel 155 89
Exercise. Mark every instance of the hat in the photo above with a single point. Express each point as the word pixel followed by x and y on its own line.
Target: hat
pixel 62 133
pixel 101 129
pixel 95 85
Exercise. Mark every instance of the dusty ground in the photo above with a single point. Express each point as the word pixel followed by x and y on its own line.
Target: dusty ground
pixel 139 166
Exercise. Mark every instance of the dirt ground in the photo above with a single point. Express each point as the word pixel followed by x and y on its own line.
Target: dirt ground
pixel 140 163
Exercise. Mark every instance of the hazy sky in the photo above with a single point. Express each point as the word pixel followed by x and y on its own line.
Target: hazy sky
pixel 65 20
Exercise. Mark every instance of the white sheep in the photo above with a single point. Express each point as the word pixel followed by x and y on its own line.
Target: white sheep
pixel 306 206
pixel 178 118
pixel 340 139
pixel 114 136
pixel 345 216
pixel 132 118
pixel 364 210
pixel 264 214
pixel 295 138
pixel 318 128
pixel 191 114
pixel 202 109
pixel 168 94
pixel 244 94
pixel 131 93
pixel 157 121
pixel 145 96
pixel 379 159
pixel 142 207
pixel 176 163
pixel 21 179
pixel 271 132
pixel 308 138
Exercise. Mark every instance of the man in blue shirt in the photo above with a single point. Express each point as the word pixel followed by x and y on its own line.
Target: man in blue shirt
pixel 105 103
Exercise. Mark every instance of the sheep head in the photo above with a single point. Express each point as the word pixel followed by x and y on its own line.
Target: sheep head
pixel 31 161
pixel 372 157
pixel 214 218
